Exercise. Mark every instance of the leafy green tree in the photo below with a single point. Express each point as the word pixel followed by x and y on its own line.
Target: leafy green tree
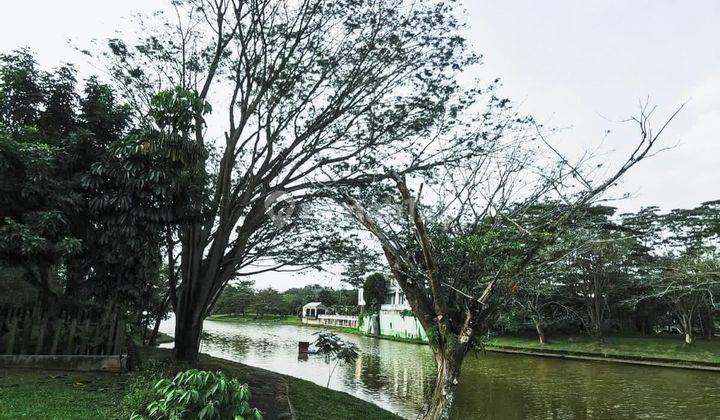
pixel 374 290
pixel 335 349
pixel 601 264
pixel 266 302
pixel 307 113
pixel 84 190
pixel 689 284
pixel 49 137
pixel 327 297
pixel 236 298
pixel 449 258
pixel 683 274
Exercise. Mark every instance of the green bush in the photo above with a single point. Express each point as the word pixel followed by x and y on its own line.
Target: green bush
pixel 140 390
pixel 198 394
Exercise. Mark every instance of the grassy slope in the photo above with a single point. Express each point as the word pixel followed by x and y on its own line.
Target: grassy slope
pixel 59 395
pixel 666 348
pixel 312 403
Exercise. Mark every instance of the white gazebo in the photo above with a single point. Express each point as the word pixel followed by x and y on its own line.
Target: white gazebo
pixel 313 309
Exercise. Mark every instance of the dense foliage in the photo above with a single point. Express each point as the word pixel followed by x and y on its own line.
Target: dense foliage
pixel 241 298
pixel 197 394
pixel 50 136
pixel 374 290
pixel 88 194
pixel 633 273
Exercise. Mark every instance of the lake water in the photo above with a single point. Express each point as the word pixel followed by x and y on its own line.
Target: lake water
pixel 397 376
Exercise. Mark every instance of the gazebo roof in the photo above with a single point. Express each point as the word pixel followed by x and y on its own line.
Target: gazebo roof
pixel 314 305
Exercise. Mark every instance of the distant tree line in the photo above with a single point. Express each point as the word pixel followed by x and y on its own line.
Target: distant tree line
pixel 634 273
pixel 241 298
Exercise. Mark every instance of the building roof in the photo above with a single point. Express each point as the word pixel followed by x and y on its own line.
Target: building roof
pixel 314 305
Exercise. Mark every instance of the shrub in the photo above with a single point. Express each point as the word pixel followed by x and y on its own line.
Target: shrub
pixel 140 388
pixel 198 394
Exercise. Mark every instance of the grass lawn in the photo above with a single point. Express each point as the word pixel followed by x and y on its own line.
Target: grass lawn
pixel 666 348
pixel 26 394
pixel 314 402
pixel 274 319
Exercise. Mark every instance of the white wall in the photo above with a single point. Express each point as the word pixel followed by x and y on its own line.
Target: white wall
pixel 393 324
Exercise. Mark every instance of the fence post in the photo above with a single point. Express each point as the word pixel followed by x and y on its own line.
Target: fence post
pixel 70 349
pixel 12 326
pixel 56 334
pixel 41 335
pixel 26 332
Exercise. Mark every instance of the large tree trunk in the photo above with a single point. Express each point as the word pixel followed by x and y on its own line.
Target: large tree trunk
pixel 188 327
pixel 597 317
pixel 448 371
pixel 73 276
pixel 192 300
pixel 152 341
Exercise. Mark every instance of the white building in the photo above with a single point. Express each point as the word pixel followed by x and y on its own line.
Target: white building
pixel 312 310
pixel 315 313
pixel 395 318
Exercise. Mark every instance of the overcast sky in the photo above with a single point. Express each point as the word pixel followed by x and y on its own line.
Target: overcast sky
pixel 582 66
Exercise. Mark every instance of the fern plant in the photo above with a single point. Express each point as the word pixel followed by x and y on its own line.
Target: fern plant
pixel 198 394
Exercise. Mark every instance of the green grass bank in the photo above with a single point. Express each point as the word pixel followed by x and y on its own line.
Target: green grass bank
pixel 272 319
pixel 642 349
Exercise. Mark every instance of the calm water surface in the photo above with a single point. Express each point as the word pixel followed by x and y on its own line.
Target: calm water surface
pixel 396 376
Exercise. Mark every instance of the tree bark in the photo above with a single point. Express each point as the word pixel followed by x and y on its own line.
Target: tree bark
pixel 540 331
pixel 188 327
pixel 708 324
pixel 198 275
pixel 152 341
pixel 686 321
pixel 158 319
pixel 448 371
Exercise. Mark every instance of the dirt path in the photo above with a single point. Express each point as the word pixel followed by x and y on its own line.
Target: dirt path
pixel 269 390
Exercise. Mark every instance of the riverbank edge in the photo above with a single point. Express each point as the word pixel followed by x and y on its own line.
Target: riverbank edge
pixel 599 357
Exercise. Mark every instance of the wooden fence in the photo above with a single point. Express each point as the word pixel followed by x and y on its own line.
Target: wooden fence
pixel 37 331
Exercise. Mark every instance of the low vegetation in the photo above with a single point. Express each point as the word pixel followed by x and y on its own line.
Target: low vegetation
pixel 199 394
